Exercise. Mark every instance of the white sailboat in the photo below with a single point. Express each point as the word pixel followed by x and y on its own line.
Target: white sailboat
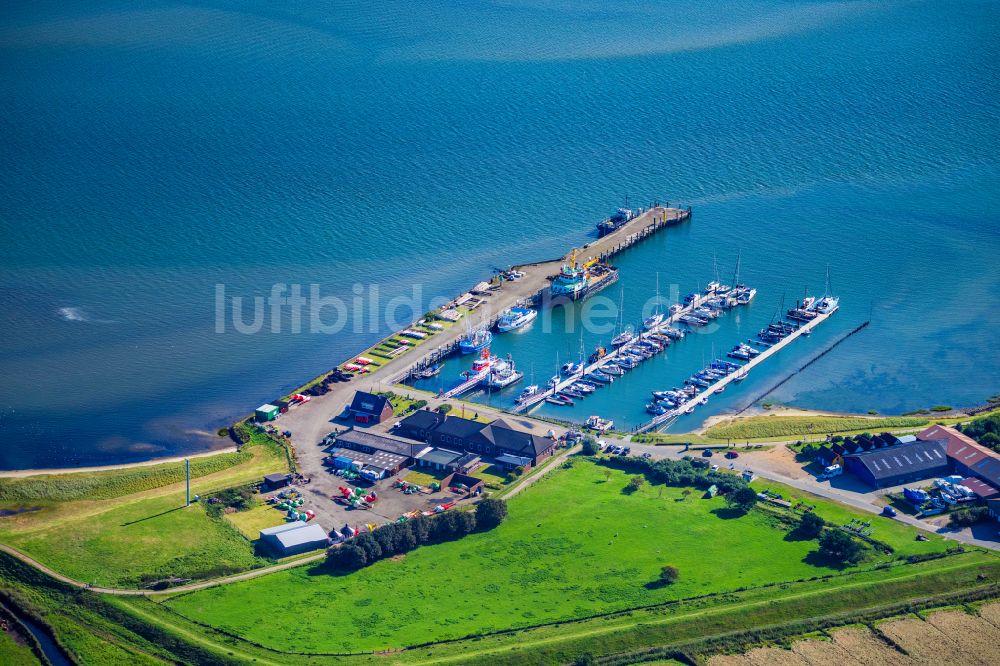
pixel 656 318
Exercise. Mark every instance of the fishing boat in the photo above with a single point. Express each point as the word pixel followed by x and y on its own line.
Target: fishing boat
pixel 615 222
pixel 599 424
pixel 474 341
pixel 577 282
pixel 502 375
pixel 481 364
pixel 514 318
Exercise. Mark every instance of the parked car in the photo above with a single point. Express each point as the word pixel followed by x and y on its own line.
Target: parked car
pixel 732 454
pixel 715 468
pixel 888 512
pixel 707 453
pixel 647 454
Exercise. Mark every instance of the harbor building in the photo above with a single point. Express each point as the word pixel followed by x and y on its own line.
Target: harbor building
pixel 499 438
pixel 294 538
pixel 904 463
pixel 368 408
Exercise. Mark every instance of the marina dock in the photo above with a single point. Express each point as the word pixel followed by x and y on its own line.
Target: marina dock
pixel 702 397
pixel 608 358
pixel 532 289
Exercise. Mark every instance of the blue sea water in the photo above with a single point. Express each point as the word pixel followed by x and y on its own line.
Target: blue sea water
pixel 152 150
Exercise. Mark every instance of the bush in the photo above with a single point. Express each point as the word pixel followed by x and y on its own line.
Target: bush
pixel 490 513
pixel 968 517
pixel 634 484
pixel 590 446
pixel 241 499
pixel 810 525
pixel 444 409
pixel 347 557
pixel 743 499
pixel 840 546
pixel 396 538
pixel 669 574
pixel 678 473
pixel 419 404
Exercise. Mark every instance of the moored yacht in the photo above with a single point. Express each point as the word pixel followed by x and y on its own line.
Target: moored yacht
pixel 514 318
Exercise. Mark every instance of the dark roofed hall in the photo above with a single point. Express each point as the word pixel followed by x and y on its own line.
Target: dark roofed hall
pixel 368 442
pixel 419 424
pixel 895 465
pixel 507 440
pixel 455 426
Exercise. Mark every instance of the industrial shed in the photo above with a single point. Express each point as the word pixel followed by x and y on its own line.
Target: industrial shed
pixel 906 462
pixel 294 538
pixel 372 466
pixel 968 457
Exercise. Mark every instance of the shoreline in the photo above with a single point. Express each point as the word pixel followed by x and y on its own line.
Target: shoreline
pixel 21 473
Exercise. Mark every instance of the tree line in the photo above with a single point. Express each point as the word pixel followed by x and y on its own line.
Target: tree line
pixel 401 537
pixel 678 473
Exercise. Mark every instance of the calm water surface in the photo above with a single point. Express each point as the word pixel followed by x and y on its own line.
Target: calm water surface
pixel 152 150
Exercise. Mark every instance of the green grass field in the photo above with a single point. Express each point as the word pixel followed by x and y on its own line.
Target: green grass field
pixel 899 535
pixel 14 653
pixel 790 426
pixel 147 534
pixel 574 546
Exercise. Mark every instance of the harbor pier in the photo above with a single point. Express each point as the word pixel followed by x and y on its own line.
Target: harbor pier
pixel 608 358
pixel 702 397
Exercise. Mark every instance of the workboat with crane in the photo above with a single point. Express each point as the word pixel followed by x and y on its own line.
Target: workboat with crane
pixel 576 281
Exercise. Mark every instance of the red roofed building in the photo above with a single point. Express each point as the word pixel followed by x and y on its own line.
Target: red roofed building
pixel 968 457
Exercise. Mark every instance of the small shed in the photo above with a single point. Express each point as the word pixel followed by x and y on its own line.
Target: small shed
pixel 511 461
pixel 275 481
pixel 266 412
pixel 294 538
pixel 470 485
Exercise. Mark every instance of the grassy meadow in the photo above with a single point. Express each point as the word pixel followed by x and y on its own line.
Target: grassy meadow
pixel 757 427
pixel 136 528
pixel 574 545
